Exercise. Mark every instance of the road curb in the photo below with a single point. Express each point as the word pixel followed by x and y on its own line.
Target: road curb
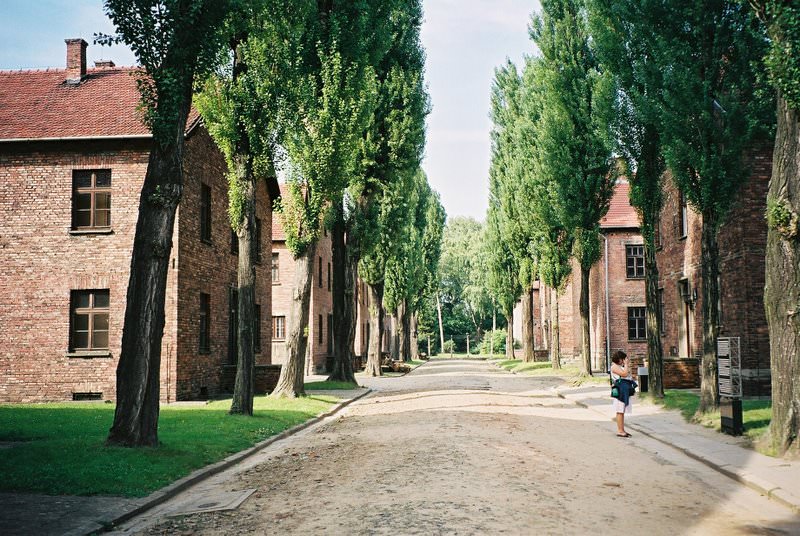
pixel 772 492
pixel 164 494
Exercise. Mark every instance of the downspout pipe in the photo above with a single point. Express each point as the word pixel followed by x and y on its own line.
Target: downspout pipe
pixel 608 329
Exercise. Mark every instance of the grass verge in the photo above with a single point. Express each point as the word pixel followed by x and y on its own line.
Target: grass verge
pixel 568 373
pixel 756 415
pixel 61 450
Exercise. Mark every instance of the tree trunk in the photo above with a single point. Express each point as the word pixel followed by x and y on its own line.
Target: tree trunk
pixel 555 348
pixel 586 332
pixel 401 332
pixel 373 367
pixel 709 390
pixel 527 325
pixel 343 304
pixel 510 334
pixel 352 281
pixel 243 389
pixel 782 291
pixel 405 345
pixel 655 359
pixel 414 346
pixel 290 383
pixel 441 328
pixel 139 369
pixel 394 345
pixel 245 189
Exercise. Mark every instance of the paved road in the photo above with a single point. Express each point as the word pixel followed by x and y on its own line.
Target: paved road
pixel 461 447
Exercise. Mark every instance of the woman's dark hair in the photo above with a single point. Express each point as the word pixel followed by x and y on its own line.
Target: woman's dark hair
pixel 618 357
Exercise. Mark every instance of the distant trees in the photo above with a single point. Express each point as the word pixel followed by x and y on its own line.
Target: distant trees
pixel 463 290
pixel 175 42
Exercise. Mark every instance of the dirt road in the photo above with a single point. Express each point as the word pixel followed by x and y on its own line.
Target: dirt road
pixel 459 447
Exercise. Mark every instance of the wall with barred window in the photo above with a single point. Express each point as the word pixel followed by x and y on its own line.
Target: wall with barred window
pixel 42 259
pixel 742 242
pixel 625 299
pixel 209 266
pixel 321 302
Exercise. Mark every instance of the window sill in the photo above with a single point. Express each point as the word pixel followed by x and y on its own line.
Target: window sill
pixel 89 354
pixel 638 278
pixel 79 232
pixel 206 242
pixel 204 351
pixel 276 283
pixel 637 340
pixel 683 237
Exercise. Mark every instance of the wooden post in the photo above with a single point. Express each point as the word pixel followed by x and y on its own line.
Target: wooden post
pixel 467 344
pixel 429 346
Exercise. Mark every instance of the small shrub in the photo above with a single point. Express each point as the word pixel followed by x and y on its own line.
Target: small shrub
pixel 498 336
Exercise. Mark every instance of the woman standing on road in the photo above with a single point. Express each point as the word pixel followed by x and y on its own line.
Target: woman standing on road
pixel 622 403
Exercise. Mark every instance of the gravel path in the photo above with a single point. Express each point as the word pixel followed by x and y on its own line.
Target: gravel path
pixel 459 447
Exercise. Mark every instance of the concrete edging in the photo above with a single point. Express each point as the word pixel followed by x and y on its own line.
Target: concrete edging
pixel 164 494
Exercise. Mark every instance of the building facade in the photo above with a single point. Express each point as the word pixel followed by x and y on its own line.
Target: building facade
pixel 73 156
pixel 617 286
pixel 616 292
pixel 742 244
pixel 320 316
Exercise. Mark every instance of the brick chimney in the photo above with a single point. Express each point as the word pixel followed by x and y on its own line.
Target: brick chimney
pixel 104 63
pixel 76 60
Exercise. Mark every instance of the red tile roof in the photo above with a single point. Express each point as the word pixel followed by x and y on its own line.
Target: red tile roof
pixel 620 212
pixel 39 104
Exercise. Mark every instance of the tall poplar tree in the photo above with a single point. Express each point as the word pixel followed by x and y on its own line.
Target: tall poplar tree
pixel 782 292
pixel 174 42
pixel 712 114
pixel 575 148
pixel 245 108
pixel 627 50
pixel 392 144
pixel 322 150
pixel 391 154
pixel 505 221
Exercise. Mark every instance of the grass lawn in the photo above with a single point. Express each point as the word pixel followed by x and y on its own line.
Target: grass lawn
pixel 756 414
pixel 330 386
pixel 570 373
pixel 61 449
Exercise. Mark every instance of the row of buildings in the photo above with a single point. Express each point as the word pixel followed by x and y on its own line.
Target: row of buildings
pixel 73 156
pixel 617 287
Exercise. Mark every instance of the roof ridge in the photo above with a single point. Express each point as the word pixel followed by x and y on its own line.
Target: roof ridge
pixel 63 70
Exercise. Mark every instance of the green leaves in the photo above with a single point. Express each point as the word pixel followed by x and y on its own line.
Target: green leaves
pixel 174 41
pixel 711 112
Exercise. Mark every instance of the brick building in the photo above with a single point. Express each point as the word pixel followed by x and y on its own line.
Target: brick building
pixel 73 156
pixel 616 286
pixel 742 244
pixel 742 241
pixel 320 317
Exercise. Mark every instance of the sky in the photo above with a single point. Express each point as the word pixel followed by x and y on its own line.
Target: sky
pixel 464 41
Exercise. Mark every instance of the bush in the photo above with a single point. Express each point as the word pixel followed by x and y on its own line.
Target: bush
pixel 499 338
pixel 448 347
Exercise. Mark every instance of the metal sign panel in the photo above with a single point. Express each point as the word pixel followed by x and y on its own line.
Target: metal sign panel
pixel 729 367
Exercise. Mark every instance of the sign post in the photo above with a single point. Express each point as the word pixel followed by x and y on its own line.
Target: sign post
pixel 729 372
